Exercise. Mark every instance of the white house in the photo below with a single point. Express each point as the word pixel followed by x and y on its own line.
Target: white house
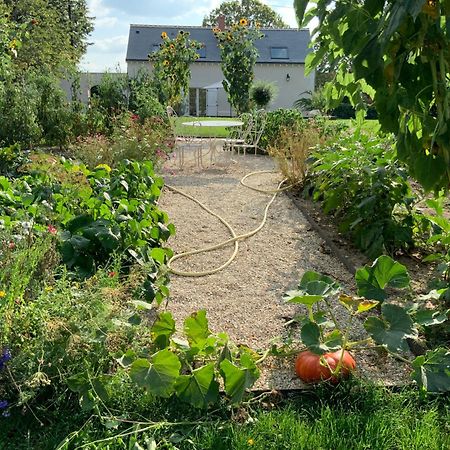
pixel 281 60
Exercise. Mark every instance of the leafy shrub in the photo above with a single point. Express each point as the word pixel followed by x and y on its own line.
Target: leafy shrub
pixel 132 138
pixel 276 121
pixel 359 180
pixel 144 100
pixel 11 160
pixel 18 113
pixel 97 212
pixel 262 93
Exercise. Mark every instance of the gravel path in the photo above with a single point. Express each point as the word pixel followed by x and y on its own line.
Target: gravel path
pixel 245 299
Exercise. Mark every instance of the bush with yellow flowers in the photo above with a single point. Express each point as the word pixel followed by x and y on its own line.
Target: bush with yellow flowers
pixel 239 55
pixel 171 70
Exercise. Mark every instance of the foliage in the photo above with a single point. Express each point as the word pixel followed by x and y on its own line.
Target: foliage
pixel 262 93
pixel 57 29
pixel 134 138
pixel 358 179
pixel 18 113
pixel 322 334
pixel 380 418
pixel 400 57
pixel 293 147
pixel 277 121
pixel 11 36
pixel 438 243
pixel 315 101
pixel 285 119
pixel 238 57
pixel 143 99
pixel 97 213
pixel 257 14
pixel 191 368
pixel 11 160
pixel 34 110
pixel 171 67
pixel 112 93
pixel 59 328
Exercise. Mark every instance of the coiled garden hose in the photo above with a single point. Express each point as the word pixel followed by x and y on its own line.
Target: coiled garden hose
pixel 234 239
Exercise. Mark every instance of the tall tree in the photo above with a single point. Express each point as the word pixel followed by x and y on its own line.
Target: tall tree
pixel 399 53
pixel 255 12
pixel 57 32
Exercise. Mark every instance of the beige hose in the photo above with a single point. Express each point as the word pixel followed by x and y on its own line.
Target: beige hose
pixel 233 240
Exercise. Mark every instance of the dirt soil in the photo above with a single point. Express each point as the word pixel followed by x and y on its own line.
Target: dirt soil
pixel 245 299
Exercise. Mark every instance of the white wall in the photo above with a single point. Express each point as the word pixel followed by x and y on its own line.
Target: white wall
pixel 205 74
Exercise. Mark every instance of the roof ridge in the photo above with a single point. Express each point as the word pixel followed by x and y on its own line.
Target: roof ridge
pixel 206 28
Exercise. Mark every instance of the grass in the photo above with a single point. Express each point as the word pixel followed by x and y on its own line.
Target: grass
pixel 370 127
pixel 352 416
pixel 203 131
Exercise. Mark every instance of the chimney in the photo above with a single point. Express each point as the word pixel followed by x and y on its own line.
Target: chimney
pixel 221 22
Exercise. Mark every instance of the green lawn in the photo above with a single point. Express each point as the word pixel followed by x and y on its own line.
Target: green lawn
pixel 353 416
pixel 221 132
pixel 369 126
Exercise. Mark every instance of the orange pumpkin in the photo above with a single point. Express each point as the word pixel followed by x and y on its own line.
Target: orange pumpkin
pixel 310 370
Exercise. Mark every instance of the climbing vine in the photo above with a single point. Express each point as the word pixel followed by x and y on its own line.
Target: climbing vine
pixel 397 52
pixel 238 54
pixel 171 71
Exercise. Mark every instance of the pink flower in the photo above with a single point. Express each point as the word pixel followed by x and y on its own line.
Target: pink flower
pixel 111 274
pixel 134 117
pixel 11 245
pixel 51 229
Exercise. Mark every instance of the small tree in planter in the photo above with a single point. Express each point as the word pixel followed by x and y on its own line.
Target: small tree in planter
pixel 238 55
pixel 171 71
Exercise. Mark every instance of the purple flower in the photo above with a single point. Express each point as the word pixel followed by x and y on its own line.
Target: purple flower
pixel 5 356
pixel 3 404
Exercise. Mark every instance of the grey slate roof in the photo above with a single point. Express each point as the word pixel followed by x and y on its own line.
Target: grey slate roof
pixel 143 38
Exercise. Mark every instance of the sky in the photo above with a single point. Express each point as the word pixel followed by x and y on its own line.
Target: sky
pixel 113 18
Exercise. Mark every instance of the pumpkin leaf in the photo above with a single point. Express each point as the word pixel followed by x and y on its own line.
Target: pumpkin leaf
pixel 393 329
pixel 311 337
pixel 162 329
pixel 159 374
pixel 357 305
pixel 371 280
pixel 429 317
pixel 313 287
pixel 196 329
pixel 200 388
pixel 238 379
pixel 432 371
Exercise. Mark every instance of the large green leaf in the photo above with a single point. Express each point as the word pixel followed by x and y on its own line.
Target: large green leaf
pixel 311 337
pixel 238 379
pixel 393 329
pixel 200 388
pixel 162 329
pixel 371 280
pixel 429 317
pixel 196 328
pixel 312 288
pixel 159 374
pixel 432 370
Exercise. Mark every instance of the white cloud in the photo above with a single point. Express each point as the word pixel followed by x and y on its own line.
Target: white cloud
pixel 111 44
pixel 106 22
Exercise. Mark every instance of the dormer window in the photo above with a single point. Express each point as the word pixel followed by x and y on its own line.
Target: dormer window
pixel 279 53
